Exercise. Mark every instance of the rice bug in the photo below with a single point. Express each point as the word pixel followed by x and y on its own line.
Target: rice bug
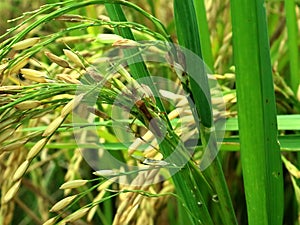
pixel 152 123
pixel 98 113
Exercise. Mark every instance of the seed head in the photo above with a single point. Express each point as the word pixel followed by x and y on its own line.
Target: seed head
pixel 12 192
pixel 59 61
pixel 71 105
pixel 62 203
pixel 73 184
pixel 77 215
pixel 36 148
pixel 19 65
pixel 25 43
pixel 51 221
pixel 21 170
pixel 28 105
pixel 74 58
pixel 53 126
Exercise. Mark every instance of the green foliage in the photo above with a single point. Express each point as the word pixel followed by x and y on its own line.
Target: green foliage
pixel 262 170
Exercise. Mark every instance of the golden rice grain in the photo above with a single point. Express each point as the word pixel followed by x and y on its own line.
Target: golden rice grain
pixel 21 170
pixel 151 153
pixel 138 142
pixel 94 208
pixel 13 146
pixel 229 98
pixel 53 126
pixel 28 104
pixel 174 114
pixel 7 173
pixel 12 192
pixel 125 43
pixel 51 221
pixel 37 63
pixel 128 216
pixel 182 103
pixel 59 61
pixel 36 148
pixel 74 58
pixel 34 75
pixel 106 184
pixel 137 200
pixel 67 78
pixel 31 72
pixel 19 65
pixel 108 38
pixel 6 123
pixel 104 173
pixel 73 184
pixel 36 79
pixel 117 217
pixel 76 215
pixel 91 213
pixel 6 135
pixel 62 203
pixel 71 105
pixel 104 18
pixel 10 88
pixel 73 168
pixel 62 223
pixel 3 67
pixel 25 43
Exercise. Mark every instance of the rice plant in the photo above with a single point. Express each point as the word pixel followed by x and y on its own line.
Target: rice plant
pixel 150 112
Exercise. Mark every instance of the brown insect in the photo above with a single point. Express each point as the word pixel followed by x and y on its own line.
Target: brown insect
pixel 152 122
pixel 98 113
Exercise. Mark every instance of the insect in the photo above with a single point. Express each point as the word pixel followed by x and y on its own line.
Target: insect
pixel 98 113
pixel 151 122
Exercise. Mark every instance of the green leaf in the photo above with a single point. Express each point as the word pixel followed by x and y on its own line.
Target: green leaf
pixel 260 153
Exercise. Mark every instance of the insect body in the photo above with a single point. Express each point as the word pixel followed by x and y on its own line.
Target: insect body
pixel 151 121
